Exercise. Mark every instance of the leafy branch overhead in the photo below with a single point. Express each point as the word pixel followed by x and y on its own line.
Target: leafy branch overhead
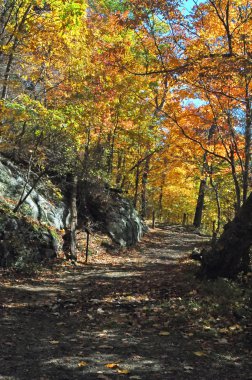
pixel 151 97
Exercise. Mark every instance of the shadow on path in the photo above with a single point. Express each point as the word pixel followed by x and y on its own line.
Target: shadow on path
pixel 137 320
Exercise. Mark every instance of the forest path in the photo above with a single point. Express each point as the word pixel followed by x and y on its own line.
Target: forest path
pixel 140 314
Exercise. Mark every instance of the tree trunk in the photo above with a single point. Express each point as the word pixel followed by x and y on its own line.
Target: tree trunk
pixel 144 188
pixel 247 150
pixel 200 204
pixel 24 196
pixel 119 169
pixel 136 187
pixel 73 222
pixel 218 205
pixel 230 255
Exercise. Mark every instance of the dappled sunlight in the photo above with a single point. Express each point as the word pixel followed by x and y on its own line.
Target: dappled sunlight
pixel 50 290
pixel 151 320
pixel 120 274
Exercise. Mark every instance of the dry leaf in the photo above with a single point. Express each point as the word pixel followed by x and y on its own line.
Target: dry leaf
pixel 164 333
pixel 235 327
pixel 223 331
pixel 111 365
pixel 200 353
pixel 123 371
pixel 188 368
pixel 82 364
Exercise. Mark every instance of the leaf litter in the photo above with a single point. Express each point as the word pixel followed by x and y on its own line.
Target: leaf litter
pixel 139 314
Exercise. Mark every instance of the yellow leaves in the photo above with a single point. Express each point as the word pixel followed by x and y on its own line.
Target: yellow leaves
pixel 82 364
pixel 111 365
pixel 226 330
pixel 116 367
pixel 235 327
pixel 200 353
pixel 123 371
pixel 164 333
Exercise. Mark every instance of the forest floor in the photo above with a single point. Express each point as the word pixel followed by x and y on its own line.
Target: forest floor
pixel 137 314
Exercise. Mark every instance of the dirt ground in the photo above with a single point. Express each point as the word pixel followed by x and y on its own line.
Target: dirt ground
pixel 138 314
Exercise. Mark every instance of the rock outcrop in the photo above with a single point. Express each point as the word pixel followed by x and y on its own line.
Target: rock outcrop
pixel 51 211
pixel 115 214
pixel 32 235
pixel 23 242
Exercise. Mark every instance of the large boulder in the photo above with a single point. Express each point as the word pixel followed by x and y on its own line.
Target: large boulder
pixel 115 214
pixel 123 223
pixel 41 205
pixel 24 242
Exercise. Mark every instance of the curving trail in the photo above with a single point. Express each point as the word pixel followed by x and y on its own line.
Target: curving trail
pixel 136 315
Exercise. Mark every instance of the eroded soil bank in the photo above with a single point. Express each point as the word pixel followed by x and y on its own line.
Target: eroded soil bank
pixel 129 315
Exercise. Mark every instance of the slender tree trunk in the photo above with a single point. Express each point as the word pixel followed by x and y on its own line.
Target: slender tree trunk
pixel 73 220
pixel 24 196
pixel 86 153
pixel 119 169
pixel 6 76
pixel 160 198
pixel 247 150
pixel 14 46
pixel 160 202
pixel 230 255
pixel 184 220
pixel 236 184
pixel 153 218
pixel 217 198
pixel 201 195
pixel 111 152
pixel 87 245
pixel 200 204
pixel 144 188
pixel 136 186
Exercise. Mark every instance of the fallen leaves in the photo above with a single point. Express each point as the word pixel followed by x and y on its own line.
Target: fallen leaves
pixel 116 367
pixel 123 371
pixel 200 353
pixel 82 364
pixel 188 368
pixel 111 365
pixel 164 333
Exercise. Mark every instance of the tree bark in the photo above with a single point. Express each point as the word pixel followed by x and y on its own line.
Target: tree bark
pixel 247 149
pixel 230 255
pixel 136 187
pixel 144 188
pixel 200 204
pixel 73 222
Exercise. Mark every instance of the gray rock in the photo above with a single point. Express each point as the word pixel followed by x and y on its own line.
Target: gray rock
pixel 123 223
pixel 11 225
pixel 36 205
pixel 118 216
pixel 23 243
pixel 49 254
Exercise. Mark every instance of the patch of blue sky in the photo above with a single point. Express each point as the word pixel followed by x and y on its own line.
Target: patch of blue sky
pixel 187 5
pixel 196 102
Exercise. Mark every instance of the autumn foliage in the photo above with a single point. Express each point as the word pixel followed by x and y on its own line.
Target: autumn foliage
pixel 151 96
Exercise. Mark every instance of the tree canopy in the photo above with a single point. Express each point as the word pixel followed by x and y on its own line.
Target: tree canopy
pixel 151 96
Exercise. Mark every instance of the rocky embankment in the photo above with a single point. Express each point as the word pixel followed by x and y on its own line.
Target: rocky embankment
pixel 35 232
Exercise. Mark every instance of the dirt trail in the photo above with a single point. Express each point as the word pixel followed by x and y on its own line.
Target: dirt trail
pixel 140 315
